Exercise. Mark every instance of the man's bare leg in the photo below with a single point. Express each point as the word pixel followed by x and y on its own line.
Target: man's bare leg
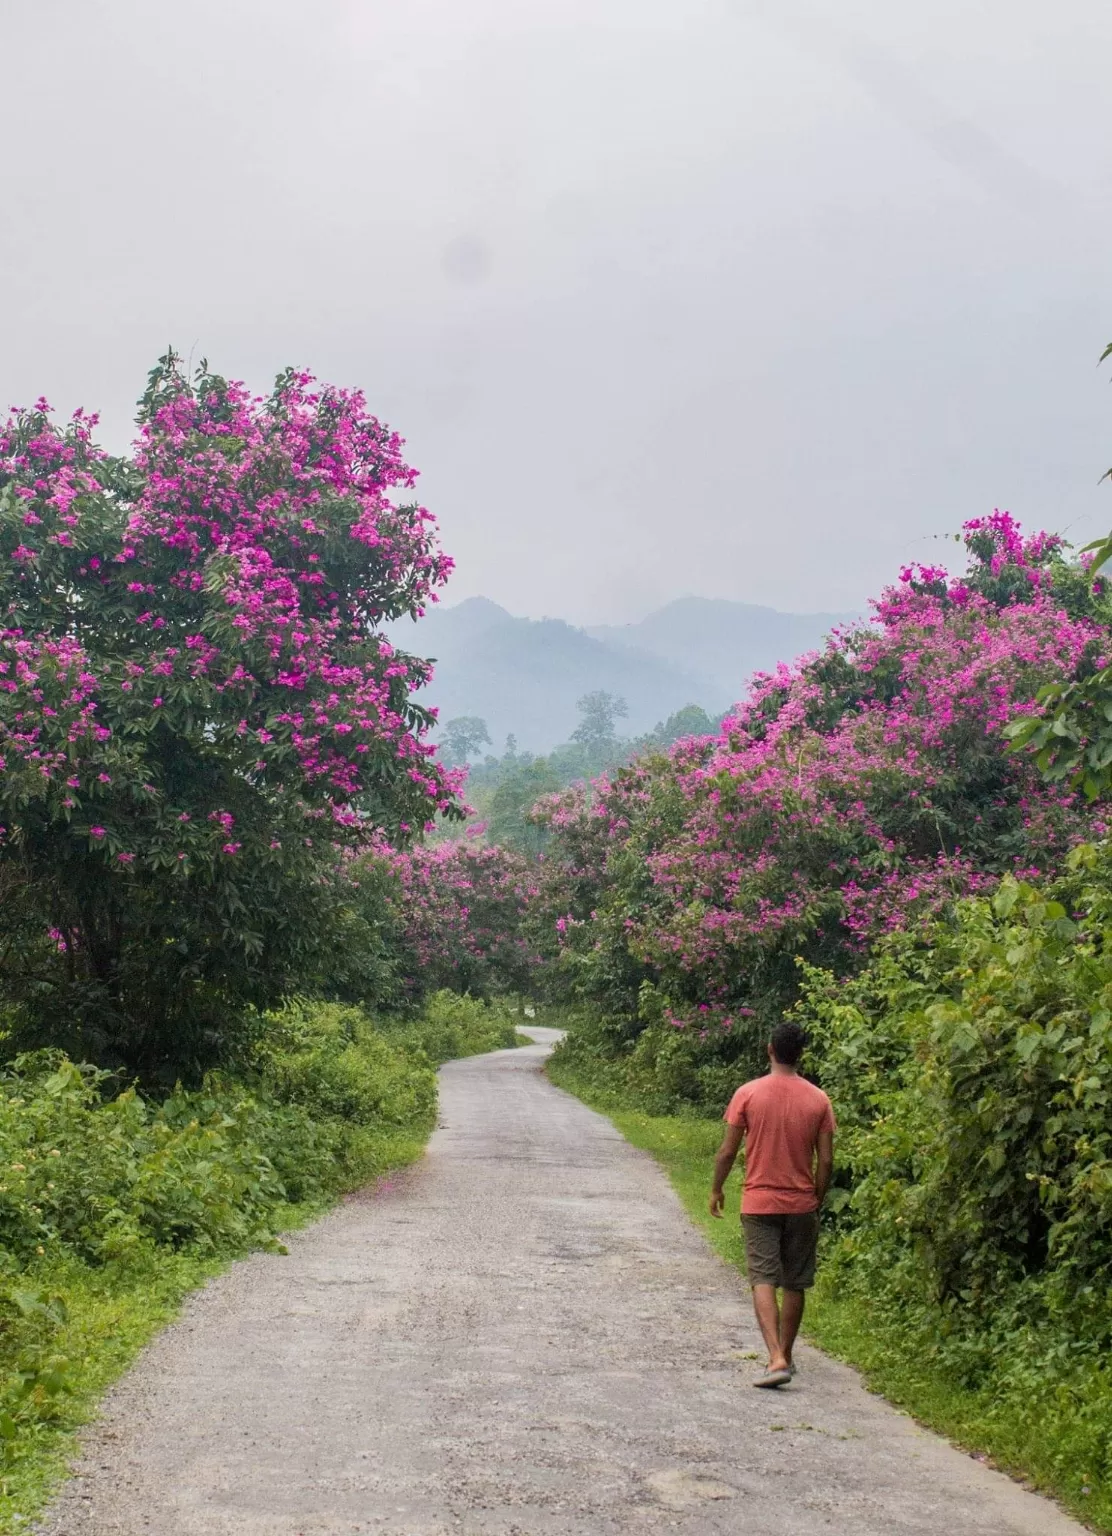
pixel 791 1315
pixel 768 1320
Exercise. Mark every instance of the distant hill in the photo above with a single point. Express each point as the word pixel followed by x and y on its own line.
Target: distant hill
pixel 724 643
pixel 523 676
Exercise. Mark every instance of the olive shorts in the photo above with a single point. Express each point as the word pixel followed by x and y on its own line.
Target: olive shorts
pixel 780 1250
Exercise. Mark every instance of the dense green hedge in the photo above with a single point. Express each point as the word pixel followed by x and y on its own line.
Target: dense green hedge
pixel 450 1026
pixel 972 1069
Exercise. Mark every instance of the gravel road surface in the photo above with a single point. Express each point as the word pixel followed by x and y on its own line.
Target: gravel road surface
pixel 521 1336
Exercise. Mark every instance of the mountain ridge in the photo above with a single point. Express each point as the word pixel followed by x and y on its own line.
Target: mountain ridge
pixel 524 676
pixel 725 641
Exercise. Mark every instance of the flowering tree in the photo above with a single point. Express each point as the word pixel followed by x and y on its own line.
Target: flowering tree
pixel 198 711
pixel 461 913
pixel 851 793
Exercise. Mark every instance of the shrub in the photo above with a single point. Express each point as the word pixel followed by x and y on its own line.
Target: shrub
pixel 971 1066
pixel 99 1177
pixel 332 1060
pixel 451 1025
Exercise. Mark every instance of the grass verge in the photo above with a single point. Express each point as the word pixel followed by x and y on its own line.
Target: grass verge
pixel 1040 1447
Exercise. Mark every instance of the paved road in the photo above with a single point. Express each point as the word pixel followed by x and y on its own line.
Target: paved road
pixel 522 1336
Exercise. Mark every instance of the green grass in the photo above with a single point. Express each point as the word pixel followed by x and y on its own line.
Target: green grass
pixel 111 1316
pixel 1044 1443
pixel 108 1323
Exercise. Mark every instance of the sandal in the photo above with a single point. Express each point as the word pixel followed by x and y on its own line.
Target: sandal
pixel 771 1378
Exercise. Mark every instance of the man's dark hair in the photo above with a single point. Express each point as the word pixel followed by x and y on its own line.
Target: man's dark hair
pixel 788 1043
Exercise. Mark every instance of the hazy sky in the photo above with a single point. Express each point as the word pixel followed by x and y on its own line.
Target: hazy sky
pixel 742 298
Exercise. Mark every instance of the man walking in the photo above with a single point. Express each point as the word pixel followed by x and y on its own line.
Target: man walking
pixel 787 1125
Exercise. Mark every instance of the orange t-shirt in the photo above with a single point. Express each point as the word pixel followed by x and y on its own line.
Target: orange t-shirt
pixel 782 1116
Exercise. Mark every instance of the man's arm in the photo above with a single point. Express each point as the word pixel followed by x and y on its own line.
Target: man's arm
pixel 727 1152
pixel 824 1165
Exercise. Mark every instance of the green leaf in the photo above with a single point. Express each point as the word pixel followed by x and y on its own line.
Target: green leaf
pixel 1027 1044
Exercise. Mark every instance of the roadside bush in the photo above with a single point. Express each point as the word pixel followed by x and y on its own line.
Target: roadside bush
pixel 651 1064
pixel 451 1025
pixel 335 1062
pixel 971 1067
pixel 98 1175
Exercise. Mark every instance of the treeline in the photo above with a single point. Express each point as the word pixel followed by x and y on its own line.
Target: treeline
pixel 857 793
pixel 502 791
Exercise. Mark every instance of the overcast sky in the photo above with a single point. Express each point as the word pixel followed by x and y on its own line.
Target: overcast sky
pixel 740 298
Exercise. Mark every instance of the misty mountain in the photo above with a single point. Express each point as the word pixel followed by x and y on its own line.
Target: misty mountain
pixel 722 642
pixel 523 676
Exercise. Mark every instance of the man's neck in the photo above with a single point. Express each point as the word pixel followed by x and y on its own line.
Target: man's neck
pixel 781 1069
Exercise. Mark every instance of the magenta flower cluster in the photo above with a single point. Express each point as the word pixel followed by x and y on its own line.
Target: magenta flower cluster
pixel 224 589
pixel 463 913
pixel 855 791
